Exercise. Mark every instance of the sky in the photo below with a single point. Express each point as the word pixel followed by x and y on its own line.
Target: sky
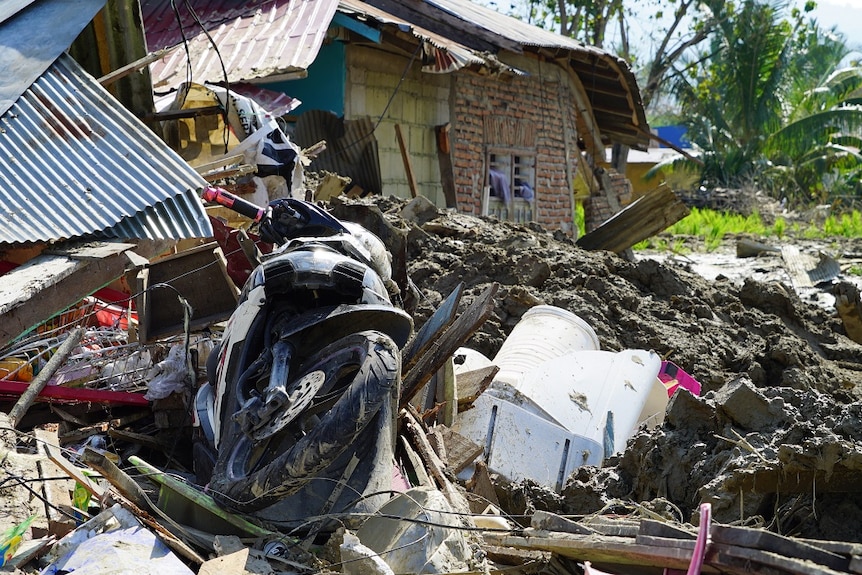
pixel 846 15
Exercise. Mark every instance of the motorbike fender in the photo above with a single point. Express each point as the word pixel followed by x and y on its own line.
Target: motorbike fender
pixel 235 334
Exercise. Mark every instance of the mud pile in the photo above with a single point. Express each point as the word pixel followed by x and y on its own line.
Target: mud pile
pixel 774 440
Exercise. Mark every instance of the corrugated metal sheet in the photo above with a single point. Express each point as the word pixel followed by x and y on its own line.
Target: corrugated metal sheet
pixel 253 39
pixel 460 55
pixel 351 148
pixel 75 163
pixel 32 36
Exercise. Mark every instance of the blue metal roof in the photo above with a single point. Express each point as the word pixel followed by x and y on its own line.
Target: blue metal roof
pixel 74 162
pixel 33 35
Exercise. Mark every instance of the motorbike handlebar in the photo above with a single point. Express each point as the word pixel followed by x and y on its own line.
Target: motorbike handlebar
pixel 236 203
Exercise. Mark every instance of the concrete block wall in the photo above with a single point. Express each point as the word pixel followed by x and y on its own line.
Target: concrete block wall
pixel 420 103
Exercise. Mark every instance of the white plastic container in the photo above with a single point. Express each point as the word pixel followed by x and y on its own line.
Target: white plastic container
pixel 545 332
pixel 569 411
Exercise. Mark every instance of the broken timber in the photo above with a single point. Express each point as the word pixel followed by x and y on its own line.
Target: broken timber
pixel 648 215
pixel 61 277
pixel 446 343
pixel 730 549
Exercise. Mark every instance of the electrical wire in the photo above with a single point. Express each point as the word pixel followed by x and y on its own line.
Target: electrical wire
pixel 226 107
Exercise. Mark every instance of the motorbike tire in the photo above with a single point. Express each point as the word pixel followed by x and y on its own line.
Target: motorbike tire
pixel 373 360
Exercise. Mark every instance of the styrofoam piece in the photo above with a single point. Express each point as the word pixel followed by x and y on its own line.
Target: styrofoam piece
pixel 522 445
pixel 543 333
pixel 466 359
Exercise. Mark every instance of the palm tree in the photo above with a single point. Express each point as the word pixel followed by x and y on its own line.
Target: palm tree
pixel 764 106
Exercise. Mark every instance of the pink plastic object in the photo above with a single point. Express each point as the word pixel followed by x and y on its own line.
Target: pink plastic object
pixel 699 553
pixel 702 540
pixel 673 377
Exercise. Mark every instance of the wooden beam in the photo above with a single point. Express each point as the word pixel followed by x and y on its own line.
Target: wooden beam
pixel 444 158
pixel 447 343
pixel 643 218
pixel 584 109
pixel 408 163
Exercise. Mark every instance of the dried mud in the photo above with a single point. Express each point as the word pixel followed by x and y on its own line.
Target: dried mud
pixel 773 440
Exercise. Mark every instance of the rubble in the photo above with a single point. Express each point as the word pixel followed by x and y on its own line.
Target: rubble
pixel 771 443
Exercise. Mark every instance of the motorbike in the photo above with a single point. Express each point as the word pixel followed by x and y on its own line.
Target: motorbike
pixel 298 415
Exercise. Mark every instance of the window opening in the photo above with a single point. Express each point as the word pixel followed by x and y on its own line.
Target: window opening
pixel 510 185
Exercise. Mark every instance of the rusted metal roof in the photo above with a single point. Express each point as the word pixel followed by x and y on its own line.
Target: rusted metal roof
pixel 254 38
pixel 446 55
pixel 257 38
pixel 77 163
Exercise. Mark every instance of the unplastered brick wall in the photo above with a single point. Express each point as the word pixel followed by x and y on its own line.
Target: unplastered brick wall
pixel 540 106
pixel 416 104
pixel 602 204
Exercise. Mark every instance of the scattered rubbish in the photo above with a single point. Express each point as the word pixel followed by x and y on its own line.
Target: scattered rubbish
pixel 418 531
pixel 171 375
pixel 747 248
pixel 11 539
pixel 544 332
pixel 111 539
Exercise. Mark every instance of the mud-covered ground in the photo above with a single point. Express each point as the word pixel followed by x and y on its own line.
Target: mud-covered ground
pixel 773 441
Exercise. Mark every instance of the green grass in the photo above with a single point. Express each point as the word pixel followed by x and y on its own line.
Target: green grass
pixel 712 227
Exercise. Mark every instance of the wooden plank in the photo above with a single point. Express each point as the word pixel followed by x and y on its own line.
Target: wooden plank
pixel 444 346
pixel 653 528
pixel 200 276
pixel 57 494
pixel 650 214
pixel 408 163
pixel 839 547
pixel 460 451
pixel 48 284
pixel 546 521
pixel 606 549
pixel 768 541
pixel 444 159
pixel 52 448
pixel 767 558
pixel 124 484
pixel 471 384
pixel 665 542
pixel 441 319
pixel 481 489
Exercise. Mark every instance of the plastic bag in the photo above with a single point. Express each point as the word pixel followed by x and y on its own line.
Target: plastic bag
pixel 170 375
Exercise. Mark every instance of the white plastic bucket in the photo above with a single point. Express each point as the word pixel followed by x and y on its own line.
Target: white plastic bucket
pixel 545 332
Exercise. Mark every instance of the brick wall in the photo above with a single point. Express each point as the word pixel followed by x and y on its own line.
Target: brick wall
pixel 535 111
pixel 542 100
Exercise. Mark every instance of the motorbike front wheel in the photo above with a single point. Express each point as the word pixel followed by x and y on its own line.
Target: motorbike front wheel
pixel 362 371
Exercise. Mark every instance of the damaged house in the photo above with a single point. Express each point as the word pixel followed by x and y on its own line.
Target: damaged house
pixel 449 100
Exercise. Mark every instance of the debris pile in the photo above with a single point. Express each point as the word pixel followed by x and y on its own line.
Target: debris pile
pixel 768 448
